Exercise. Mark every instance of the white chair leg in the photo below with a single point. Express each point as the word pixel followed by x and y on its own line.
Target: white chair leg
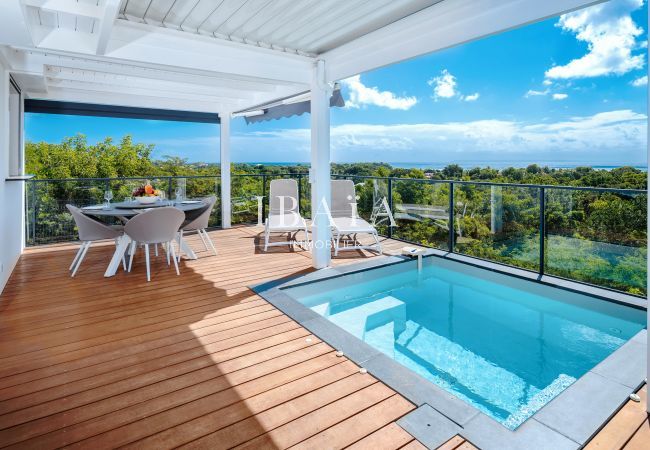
pixel 81 258
pixel 209 241
pixel 205 244
pixel 134 246
pixel 377 242
pixel 175 261
pixel 76 257
pixel 267 234
pixel 336 246
pixel 180 248
pixel 117 243
pixel 169 246
pixel 146 257
pixel 155 249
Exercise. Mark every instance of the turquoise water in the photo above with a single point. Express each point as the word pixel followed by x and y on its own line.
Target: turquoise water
pixel 506 346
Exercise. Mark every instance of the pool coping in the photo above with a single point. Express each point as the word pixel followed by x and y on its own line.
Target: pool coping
pixel 566 422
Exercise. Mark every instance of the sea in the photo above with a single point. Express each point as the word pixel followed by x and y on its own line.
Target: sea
pixel 472 164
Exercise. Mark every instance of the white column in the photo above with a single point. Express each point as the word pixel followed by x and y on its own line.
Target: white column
pixel 320 166
pixel 225 170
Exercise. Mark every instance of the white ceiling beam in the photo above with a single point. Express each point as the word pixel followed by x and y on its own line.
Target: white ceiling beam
pixel 70 74
pixel 440 26
pixel 108 98
pixel 144 43
pixel 34 61
pixel 143 92
pixel 67 7
pixel 107 20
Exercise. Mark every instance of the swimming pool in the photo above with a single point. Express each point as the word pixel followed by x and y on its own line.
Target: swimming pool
pixel 505 345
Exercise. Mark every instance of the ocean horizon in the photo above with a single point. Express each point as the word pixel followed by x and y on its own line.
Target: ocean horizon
pixel 472 164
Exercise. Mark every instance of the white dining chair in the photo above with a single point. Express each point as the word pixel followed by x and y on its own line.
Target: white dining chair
pixel 198 221
pixel 155 226
pixel 91 230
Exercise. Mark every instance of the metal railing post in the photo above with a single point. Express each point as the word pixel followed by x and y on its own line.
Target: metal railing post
pixel 299 191
pixel 390 206
pixel 263 198
pixel 452 237
pixel 33 212
pixel 542 229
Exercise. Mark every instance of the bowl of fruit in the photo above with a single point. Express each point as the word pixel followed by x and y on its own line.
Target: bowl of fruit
pixel 146 194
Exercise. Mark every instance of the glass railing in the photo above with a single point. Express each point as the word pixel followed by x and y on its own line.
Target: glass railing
pixel 592 235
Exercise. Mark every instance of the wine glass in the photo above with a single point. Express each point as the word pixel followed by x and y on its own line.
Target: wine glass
pixel 161 197
pixel 179 194
pixel 108 196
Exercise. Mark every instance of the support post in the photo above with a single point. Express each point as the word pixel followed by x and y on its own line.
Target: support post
pixel 647 143
pixel 452 216
pixel 390 206
pixel 542 229
pixel 225 170
pixel 320 167
pixel 496 209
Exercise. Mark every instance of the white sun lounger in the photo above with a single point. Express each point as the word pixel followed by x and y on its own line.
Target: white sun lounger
pixel 284 214
pixel 346 221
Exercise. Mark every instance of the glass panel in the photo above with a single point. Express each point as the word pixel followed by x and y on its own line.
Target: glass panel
pixel 597 237
pixel 245 190
pixel 421 212
pixel 498 223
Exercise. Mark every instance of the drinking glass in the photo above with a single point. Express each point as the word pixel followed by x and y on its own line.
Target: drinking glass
pixel 108 196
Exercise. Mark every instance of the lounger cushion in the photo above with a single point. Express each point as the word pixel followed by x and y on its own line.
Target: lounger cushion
pixel 286 222
pixel 349 225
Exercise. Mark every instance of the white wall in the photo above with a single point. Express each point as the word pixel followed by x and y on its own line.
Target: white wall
pixel 11 193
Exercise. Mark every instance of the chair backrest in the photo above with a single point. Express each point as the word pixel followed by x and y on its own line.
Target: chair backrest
pixel 155 226
pixel 89 228
pixel 283 196
pixel 344 199
pixel 200 219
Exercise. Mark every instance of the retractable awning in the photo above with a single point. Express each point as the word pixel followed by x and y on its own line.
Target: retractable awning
pixel 295 105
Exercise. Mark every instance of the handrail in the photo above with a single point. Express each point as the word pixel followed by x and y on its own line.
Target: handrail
pixel 43 221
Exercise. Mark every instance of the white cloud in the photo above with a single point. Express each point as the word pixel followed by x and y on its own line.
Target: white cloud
pixel 641 81
pixel 610 34
pixel 547 82
pixel 534 93
pixel 359 95
pixel 560 96
pixel 613 136
pixel 444 85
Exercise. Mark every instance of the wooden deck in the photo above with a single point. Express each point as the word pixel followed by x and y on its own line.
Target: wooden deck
pixel 197 360
pixel 628 429
pixel 193 361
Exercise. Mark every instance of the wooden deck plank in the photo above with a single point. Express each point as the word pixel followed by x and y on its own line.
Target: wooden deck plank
pixel 196 359
pixel 391 436
pixel 453 443
pixel 641 438
pixel 622 426
pixel 360 425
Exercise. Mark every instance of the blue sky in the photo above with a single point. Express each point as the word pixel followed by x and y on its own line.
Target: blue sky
pixel 565 90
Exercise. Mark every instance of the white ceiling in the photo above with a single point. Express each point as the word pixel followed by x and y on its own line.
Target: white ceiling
pixel 308 27
pixel 226 55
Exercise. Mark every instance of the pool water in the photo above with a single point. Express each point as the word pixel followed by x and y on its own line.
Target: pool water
pixel 505 345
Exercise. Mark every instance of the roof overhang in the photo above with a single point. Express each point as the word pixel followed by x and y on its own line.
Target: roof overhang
pixel 98 52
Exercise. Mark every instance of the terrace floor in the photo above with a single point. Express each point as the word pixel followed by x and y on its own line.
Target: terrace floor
pixel 198 360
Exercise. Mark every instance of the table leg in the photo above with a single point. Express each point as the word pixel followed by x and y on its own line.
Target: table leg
pixel 122 244
pixel 187 250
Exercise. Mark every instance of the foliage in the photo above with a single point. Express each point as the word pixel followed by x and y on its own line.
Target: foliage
pixel 593 236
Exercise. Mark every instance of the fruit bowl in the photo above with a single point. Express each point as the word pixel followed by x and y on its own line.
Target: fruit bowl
pixel 147 200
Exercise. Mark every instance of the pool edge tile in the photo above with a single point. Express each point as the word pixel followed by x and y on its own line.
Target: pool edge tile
pixel 429 426
pixel 580 410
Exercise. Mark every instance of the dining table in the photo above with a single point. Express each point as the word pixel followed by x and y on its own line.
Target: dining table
pixel 127 209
